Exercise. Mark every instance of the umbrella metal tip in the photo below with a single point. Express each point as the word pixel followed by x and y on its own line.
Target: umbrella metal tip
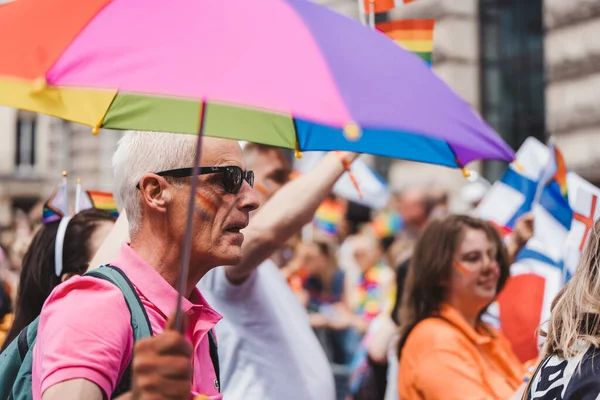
pixel 352 131
pixel 64 174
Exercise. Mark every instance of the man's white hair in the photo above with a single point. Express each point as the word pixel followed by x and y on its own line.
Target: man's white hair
pixel 139 153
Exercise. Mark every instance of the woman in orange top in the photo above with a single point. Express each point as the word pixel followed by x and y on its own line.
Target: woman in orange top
pixel 446 351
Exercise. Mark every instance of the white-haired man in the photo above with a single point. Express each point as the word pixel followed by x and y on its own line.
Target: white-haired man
pixel 85 341
pixel 267 348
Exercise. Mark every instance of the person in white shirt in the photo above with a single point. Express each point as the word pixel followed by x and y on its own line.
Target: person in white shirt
pixel 267 349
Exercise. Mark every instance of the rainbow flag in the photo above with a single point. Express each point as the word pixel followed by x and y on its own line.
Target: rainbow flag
pixel 554 174
pixel 103 201
pixel 381 6
pixel 415 35
pixel 328 217
pixel 57 205
pixel 387 224
pixel 560 175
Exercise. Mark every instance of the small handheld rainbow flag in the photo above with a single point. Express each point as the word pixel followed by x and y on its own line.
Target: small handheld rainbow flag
pixel 57 205
pixel 381 6
pixel 560 176
pixel 555 173
pixel 82 200
pixel 328 216
pixel 103 201
pixel 387 224
pixel 415 35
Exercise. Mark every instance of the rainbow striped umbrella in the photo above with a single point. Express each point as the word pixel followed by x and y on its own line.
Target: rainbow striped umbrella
pixel 287 73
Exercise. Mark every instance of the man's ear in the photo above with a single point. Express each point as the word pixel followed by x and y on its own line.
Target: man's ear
pixel 156 192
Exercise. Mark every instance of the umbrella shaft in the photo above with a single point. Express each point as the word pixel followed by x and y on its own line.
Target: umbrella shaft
pixel 187 243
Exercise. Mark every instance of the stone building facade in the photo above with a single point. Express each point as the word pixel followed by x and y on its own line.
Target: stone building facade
pixel 572 49
pixel 35 149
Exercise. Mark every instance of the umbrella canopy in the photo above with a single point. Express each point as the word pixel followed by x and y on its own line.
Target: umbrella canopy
pixel 288 73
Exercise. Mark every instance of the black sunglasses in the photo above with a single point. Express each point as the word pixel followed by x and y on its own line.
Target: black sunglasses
pixel 233 176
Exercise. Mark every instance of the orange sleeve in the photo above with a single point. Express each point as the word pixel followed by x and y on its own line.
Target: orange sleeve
pixel 446 374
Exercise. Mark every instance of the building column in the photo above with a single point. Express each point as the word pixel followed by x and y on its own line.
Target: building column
pixel 572 58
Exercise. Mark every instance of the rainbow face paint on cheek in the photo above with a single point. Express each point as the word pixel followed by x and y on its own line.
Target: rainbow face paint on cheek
pixel 262 188
pixel 206 207
pixel 462 269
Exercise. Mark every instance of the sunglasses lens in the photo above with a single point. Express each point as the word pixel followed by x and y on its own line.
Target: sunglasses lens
pixel 233 180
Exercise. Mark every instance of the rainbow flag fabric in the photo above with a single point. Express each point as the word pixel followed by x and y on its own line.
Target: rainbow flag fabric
pixel 560 176
pixel 415 35
pixel 387 224
pixel 381 6
pixel 554 174
pixel 329 216
pixel 57 205
pixel 103 201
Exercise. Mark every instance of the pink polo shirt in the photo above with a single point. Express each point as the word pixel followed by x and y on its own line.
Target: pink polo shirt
pixel 85 329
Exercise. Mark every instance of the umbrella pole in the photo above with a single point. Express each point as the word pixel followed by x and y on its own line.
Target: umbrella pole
pixel 187 242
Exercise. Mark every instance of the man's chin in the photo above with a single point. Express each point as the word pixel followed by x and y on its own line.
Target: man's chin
pixel 233 256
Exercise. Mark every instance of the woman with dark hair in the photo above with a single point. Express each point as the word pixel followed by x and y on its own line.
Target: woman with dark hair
pixel 446 351
pixel 84 234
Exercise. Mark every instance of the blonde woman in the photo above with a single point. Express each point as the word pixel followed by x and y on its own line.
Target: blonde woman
pixel 570 368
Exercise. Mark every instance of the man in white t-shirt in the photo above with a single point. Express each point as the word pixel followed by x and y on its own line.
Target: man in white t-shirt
pixel 267 348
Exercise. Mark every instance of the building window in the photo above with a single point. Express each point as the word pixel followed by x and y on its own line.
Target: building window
pixel 512 72
pixel 26 132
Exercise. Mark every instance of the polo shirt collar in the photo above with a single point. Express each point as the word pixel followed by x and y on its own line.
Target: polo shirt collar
pixel 157 290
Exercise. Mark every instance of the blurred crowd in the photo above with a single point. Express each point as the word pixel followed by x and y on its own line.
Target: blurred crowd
pixel 328 297
pixel 346 273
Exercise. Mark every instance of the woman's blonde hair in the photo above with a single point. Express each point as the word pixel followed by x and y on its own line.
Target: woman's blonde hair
pixel 575 315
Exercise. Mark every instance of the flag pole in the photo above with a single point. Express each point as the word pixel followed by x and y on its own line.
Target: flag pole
pixel 78 196
pixel 65 182
pixel 362 12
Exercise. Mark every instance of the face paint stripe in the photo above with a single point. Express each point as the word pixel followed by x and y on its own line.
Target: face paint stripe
pixel 206 207
pixel 261 188
pixel 462 269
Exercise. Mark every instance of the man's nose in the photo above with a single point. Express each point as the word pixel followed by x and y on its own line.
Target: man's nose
pixel 248 198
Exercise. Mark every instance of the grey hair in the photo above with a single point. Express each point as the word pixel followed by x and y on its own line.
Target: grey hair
pixel 139 153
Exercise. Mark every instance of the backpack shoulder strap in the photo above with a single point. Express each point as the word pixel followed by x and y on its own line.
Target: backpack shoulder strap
pixel 214 357
pixel 140 323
